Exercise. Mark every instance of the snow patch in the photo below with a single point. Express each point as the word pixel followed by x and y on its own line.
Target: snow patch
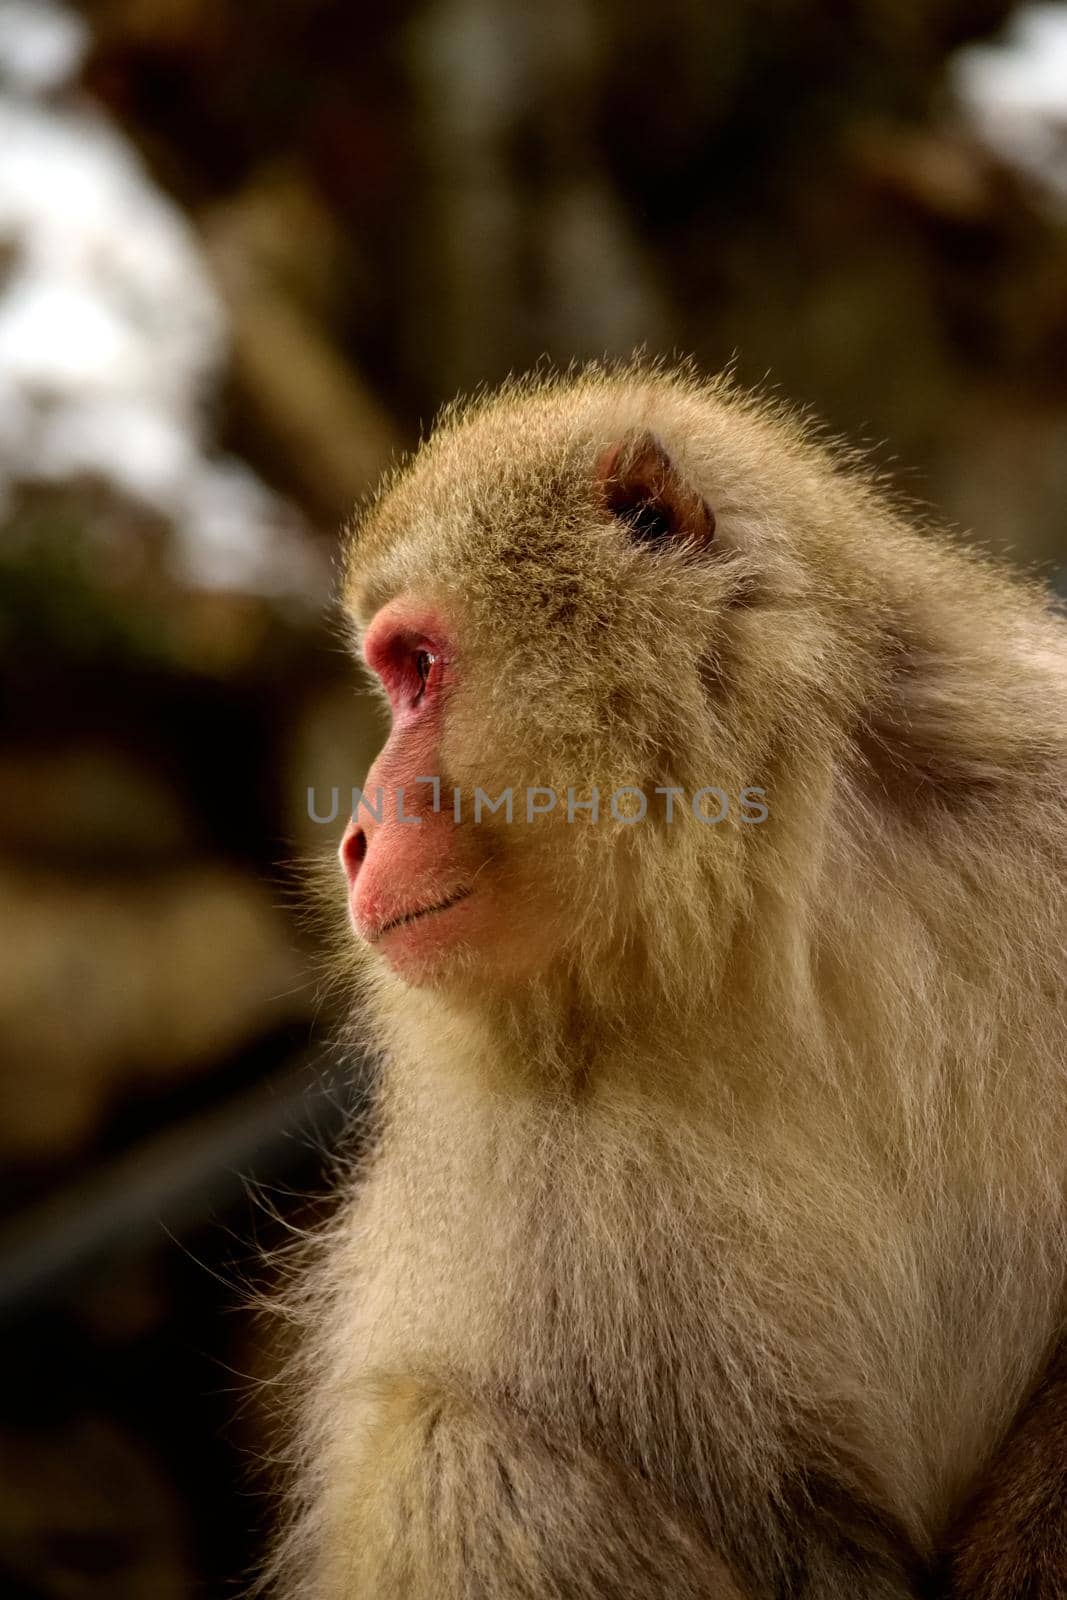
pixel 112 336
pixel 1014 93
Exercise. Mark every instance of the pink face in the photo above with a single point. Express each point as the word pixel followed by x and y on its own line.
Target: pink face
pixel 424 891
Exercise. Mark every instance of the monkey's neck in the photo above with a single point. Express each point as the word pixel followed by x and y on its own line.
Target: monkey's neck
pixel 562 1041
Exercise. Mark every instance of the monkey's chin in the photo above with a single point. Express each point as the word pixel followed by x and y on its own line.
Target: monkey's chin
pixel 467 944
pixel 421 949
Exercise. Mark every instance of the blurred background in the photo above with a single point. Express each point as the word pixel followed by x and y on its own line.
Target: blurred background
pixel 245 254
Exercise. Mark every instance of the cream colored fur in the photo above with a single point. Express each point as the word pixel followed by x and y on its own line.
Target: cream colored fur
pixel 761 1187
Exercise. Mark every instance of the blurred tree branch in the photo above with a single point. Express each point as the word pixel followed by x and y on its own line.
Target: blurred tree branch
pixel 272 248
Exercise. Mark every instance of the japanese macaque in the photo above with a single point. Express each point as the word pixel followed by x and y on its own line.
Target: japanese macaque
pixel 712 1231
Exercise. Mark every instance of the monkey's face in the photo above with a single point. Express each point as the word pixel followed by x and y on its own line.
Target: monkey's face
pixel 536 597
pixel 432 886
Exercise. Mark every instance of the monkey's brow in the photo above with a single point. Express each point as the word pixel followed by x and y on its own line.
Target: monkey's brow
pixel 365 598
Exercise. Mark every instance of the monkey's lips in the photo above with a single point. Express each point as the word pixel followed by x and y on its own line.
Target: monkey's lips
pixel 381 931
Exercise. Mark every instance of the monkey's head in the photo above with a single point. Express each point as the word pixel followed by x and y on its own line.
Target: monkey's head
pixel 601 598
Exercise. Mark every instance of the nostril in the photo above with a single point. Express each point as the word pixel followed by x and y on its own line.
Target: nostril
pixel 353 849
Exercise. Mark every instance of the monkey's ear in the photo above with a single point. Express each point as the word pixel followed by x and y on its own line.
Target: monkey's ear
pixel 642 486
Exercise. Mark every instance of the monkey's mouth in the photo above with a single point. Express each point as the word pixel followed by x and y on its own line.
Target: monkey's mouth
pixel 423 911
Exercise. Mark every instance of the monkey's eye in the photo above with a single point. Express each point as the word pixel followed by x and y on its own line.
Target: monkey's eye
pixel 424 662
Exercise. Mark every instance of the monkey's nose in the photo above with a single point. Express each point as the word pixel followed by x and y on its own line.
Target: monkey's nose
pixel 352 851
